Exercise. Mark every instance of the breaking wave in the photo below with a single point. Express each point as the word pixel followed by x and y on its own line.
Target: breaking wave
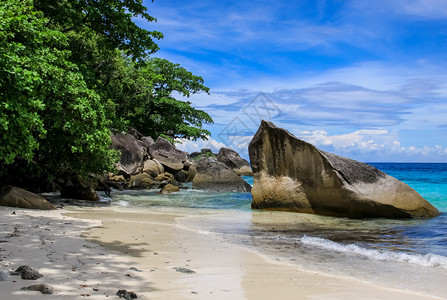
pixel 427 260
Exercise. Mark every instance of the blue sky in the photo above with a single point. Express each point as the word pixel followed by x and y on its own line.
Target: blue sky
pixel 363 79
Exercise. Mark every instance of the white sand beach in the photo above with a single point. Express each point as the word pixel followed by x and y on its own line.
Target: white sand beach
pixel 87 253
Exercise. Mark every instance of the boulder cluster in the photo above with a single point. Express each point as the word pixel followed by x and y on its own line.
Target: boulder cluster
pixel 149 164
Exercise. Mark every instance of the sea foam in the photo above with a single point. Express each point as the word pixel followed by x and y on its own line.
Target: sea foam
pixel 427 260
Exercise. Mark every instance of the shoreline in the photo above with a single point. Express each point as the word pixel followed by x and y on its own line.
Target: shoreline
pixel 79 250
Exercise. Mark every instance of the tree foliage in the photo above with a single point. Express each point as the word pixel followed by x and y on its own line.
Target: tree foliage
pixel 111 19
pixel 151 107
pixel 48 116
pixel 72 70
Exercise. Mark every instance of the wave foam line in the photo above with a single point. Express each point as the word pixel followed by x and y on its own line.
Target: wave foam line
pixel 427 260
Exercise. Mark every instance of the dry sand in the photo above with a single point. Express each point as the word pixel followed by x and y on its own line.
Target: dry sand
pixel 153 243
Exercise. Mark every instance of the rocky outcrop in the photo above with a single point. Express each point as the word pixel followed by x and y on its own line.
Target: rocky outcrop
pixel 214 175
pixel 153 167
pixel 234 161
pixel 136 180
pixel 17 197
pixel 132 154
pixel 292 175
pixel 146 141
pixel 163 151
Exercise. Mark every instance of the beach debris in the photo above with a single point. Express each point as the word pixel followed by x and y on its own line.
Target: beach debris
pixel 126 295
pixel 134 269
pixel 4 276
pixel 27 273
pixel 184 270
pixel 41 287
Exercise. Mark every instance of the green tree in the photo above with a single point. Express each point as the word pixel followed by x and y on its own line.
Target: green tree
pixel 50 120
pixel 112 19
pixel 145 99
pixel 138 94
pixel 70 70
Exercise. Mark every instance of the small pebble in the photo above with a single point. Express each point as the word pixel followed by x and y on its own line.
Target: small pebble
pixel 126 295
pixel 184 270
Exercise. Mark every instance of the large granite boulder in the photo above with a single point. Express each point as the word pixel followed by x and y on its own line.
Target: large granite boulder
pixel 137 181
pixel 153 167
pixel 232 159
pixel 214 175
pixel 132 153
pixel 146 141
pixel 17 197
pixel 170 157
pixel 292 175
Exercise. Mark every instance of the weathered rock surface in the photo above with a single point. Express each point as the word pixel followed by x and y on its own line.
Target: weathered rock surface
pixel 117 178
pixel 27 273
pixel 232 159
pixel 292 175
pixel 126 295
pixel 135 181
pixel 214 175
pixel 147 141
pixel 169 188
pixel 192 171
pixel 132 153
pixel 180 176
pixel 167 177
pixel 153 167
pixel 41 287
pixel 163 151
pixel 17 197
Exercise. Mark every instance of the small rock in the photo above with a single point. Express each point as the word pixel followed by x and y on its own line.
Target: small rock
pixel 126 295
pixel 134 269
pixel 184 270
pixel 27 273
pixel 168 189
pixel 41 287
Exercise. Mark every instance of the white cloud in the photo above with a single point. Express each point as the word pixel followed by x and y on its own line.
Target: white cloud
pixel 371 141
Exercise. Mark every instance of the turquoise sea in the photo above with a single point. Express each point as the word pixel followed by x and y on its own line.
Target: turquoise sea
pixel 404 254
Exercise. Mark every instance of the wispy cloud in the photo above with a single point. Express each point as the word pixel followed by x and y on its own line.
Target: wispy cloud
pixel 379 143
pixel 346 68
pixel 427 9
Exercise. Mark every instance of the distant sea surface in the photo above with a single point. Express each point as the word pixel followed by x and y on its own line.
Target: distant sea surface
pixel 404 254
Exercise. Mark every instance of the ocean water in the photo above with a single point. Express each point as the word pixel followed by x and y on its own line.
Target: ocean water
pixel 403 254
